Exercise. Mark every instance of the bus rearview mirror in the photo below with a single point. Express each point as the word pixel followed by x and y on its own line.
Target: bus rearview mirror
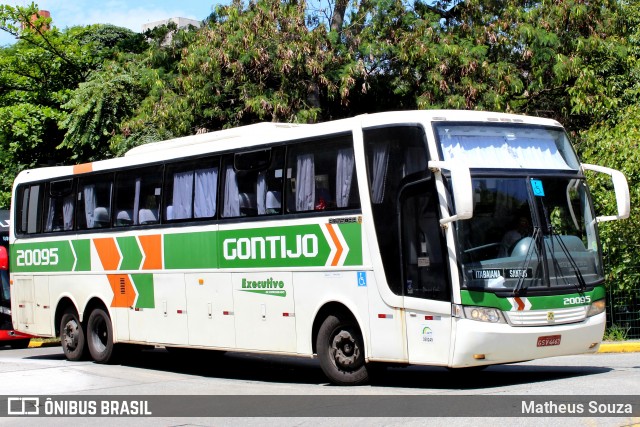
pixel 620 187
pixel 461 188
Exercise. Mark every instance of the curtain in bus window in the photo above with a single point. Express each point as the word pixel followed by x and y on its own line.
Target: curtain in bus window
pixel 50 215
pixel 67 213
pixel 305 183
pixel 344 175
pixel 136 200
pixel 500 152
pixel 231 206
pixel 205 195
pixel 89 194
pixel 261 193
pixel 380 161
pixel 182 191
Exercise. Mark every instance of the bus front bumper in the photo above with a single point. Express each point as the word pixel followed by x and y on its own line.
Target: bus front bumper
pixel 480 343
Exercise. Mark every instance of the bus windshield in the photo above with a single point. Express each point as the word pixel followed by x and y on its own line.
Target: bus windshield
pixel 529 234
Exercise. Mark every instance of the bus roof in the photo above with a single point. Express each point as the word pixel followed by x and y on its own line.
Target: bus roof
pixel 268 133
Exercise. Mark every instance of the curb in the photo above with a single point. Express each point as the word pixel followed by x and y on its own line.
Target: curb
pixel 621 347
pixel 37 344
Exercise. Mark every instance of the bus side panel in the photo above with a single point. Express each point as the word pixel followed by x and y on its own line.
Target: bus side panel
pixel 264 311
pixel 210 310
pixel 387 329
pixel 165 322
pixel 314 289
pixel 31 305
pixel 42 313
pixel 22 302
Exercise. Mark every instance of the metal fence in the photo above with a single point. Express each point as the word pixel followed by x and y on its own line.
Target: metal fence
pixel 623 311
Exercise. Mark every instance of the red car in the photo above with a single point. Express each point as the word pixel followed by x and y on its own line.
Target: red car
pixel 7 335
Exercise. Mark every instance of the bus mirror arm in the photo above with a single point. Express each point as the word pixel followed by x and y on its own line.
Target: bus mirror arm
pixel 621 188
pixel 461 188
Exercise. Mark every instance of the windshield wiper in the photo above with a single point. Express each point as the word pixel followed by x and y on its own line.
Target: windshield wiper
pixel 582 285
pixel 527 259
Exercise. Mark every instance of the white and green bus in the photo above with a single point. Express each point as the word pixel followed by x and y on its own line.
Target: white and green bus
pixel 449 238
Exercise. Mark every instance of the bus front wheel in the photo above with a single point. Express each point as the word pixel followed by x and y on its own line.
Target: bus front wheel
pixel 72 337
pixel 100 336
pixel 340 350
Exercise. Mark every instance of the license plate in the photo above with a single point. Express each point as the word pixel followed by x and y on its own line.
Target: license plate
pixel 549 340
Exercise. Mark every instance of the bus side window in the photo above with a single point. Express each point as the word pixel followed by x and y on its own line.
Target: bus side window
pixel 321 176
pixel 30 208
pixel 253 183
pixel 392 154
pixel 191 189
pixel 139 192
pixel 60 206
pixel 94 201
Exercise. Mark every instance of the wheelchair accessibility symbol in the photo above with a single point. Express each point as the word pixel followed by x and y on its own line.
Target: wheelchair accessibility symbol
pixel 362 278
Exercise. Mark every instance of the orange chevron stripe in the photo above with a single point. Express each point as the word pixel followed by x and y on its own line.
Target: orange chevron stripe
pixel 152 248
pixel 520 303
pixel 108 253
pixel 123 292
pixel 336 242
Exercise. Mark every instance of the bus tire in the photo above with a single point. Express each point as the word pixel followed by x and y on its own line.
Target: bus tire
pixel 100 336
pixel 72 337
pixel 340 350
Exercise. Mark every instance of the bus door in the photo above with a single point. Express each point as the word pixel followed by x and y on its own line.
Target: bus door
pixel 427 290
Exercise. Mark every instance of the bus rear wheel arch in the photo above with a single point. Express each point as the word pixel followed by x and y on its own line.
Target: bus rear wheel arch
pixel 340 350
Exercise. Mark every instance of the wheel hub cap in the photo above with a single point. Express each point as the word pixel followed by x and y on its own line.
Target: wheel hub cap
pixel 345 350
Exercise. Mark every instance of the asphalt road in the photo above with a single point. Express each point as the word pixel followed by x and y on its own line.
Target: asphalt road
pixel 45 371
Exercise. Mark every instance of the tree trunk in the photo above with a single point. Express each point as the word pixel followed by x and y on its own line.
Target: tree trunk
pixel 338 15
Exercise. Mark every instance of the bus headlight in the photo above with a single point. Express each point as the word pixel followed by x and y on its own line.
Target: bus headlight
pixel 597 307
pixel 481 314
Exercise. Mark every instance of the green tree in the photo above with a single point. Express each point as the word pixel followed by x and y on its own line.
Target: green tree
pixel 38 74
pixel 613 141
pixel 254 63
pixel 97 108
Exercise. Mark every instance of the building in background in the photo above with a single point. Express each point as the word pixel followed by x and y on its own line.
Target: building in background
pixel 34 18
pixel 180 23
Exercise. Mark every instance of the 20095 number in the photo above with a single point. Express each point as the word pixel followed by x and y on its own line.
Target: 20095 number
pixel 29 257
pixel 577 300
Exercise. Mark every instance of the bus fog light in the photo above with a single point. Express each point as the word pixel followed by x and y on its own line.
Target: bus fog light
pixel 596 307
pixel 484 314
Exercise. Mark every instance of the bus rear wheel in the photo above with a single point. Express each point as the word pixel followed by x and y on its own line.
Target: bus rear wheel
pixel 72 337
pixel 100 336
pixel 340 350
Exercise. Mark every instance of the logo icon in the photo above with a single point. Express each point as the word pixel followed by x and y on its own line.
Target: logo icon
pixel 551 316
pixel 23 406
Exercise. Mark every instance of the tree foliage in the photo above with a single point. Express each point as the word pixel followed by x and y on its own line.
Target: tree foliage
pixel 38 77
